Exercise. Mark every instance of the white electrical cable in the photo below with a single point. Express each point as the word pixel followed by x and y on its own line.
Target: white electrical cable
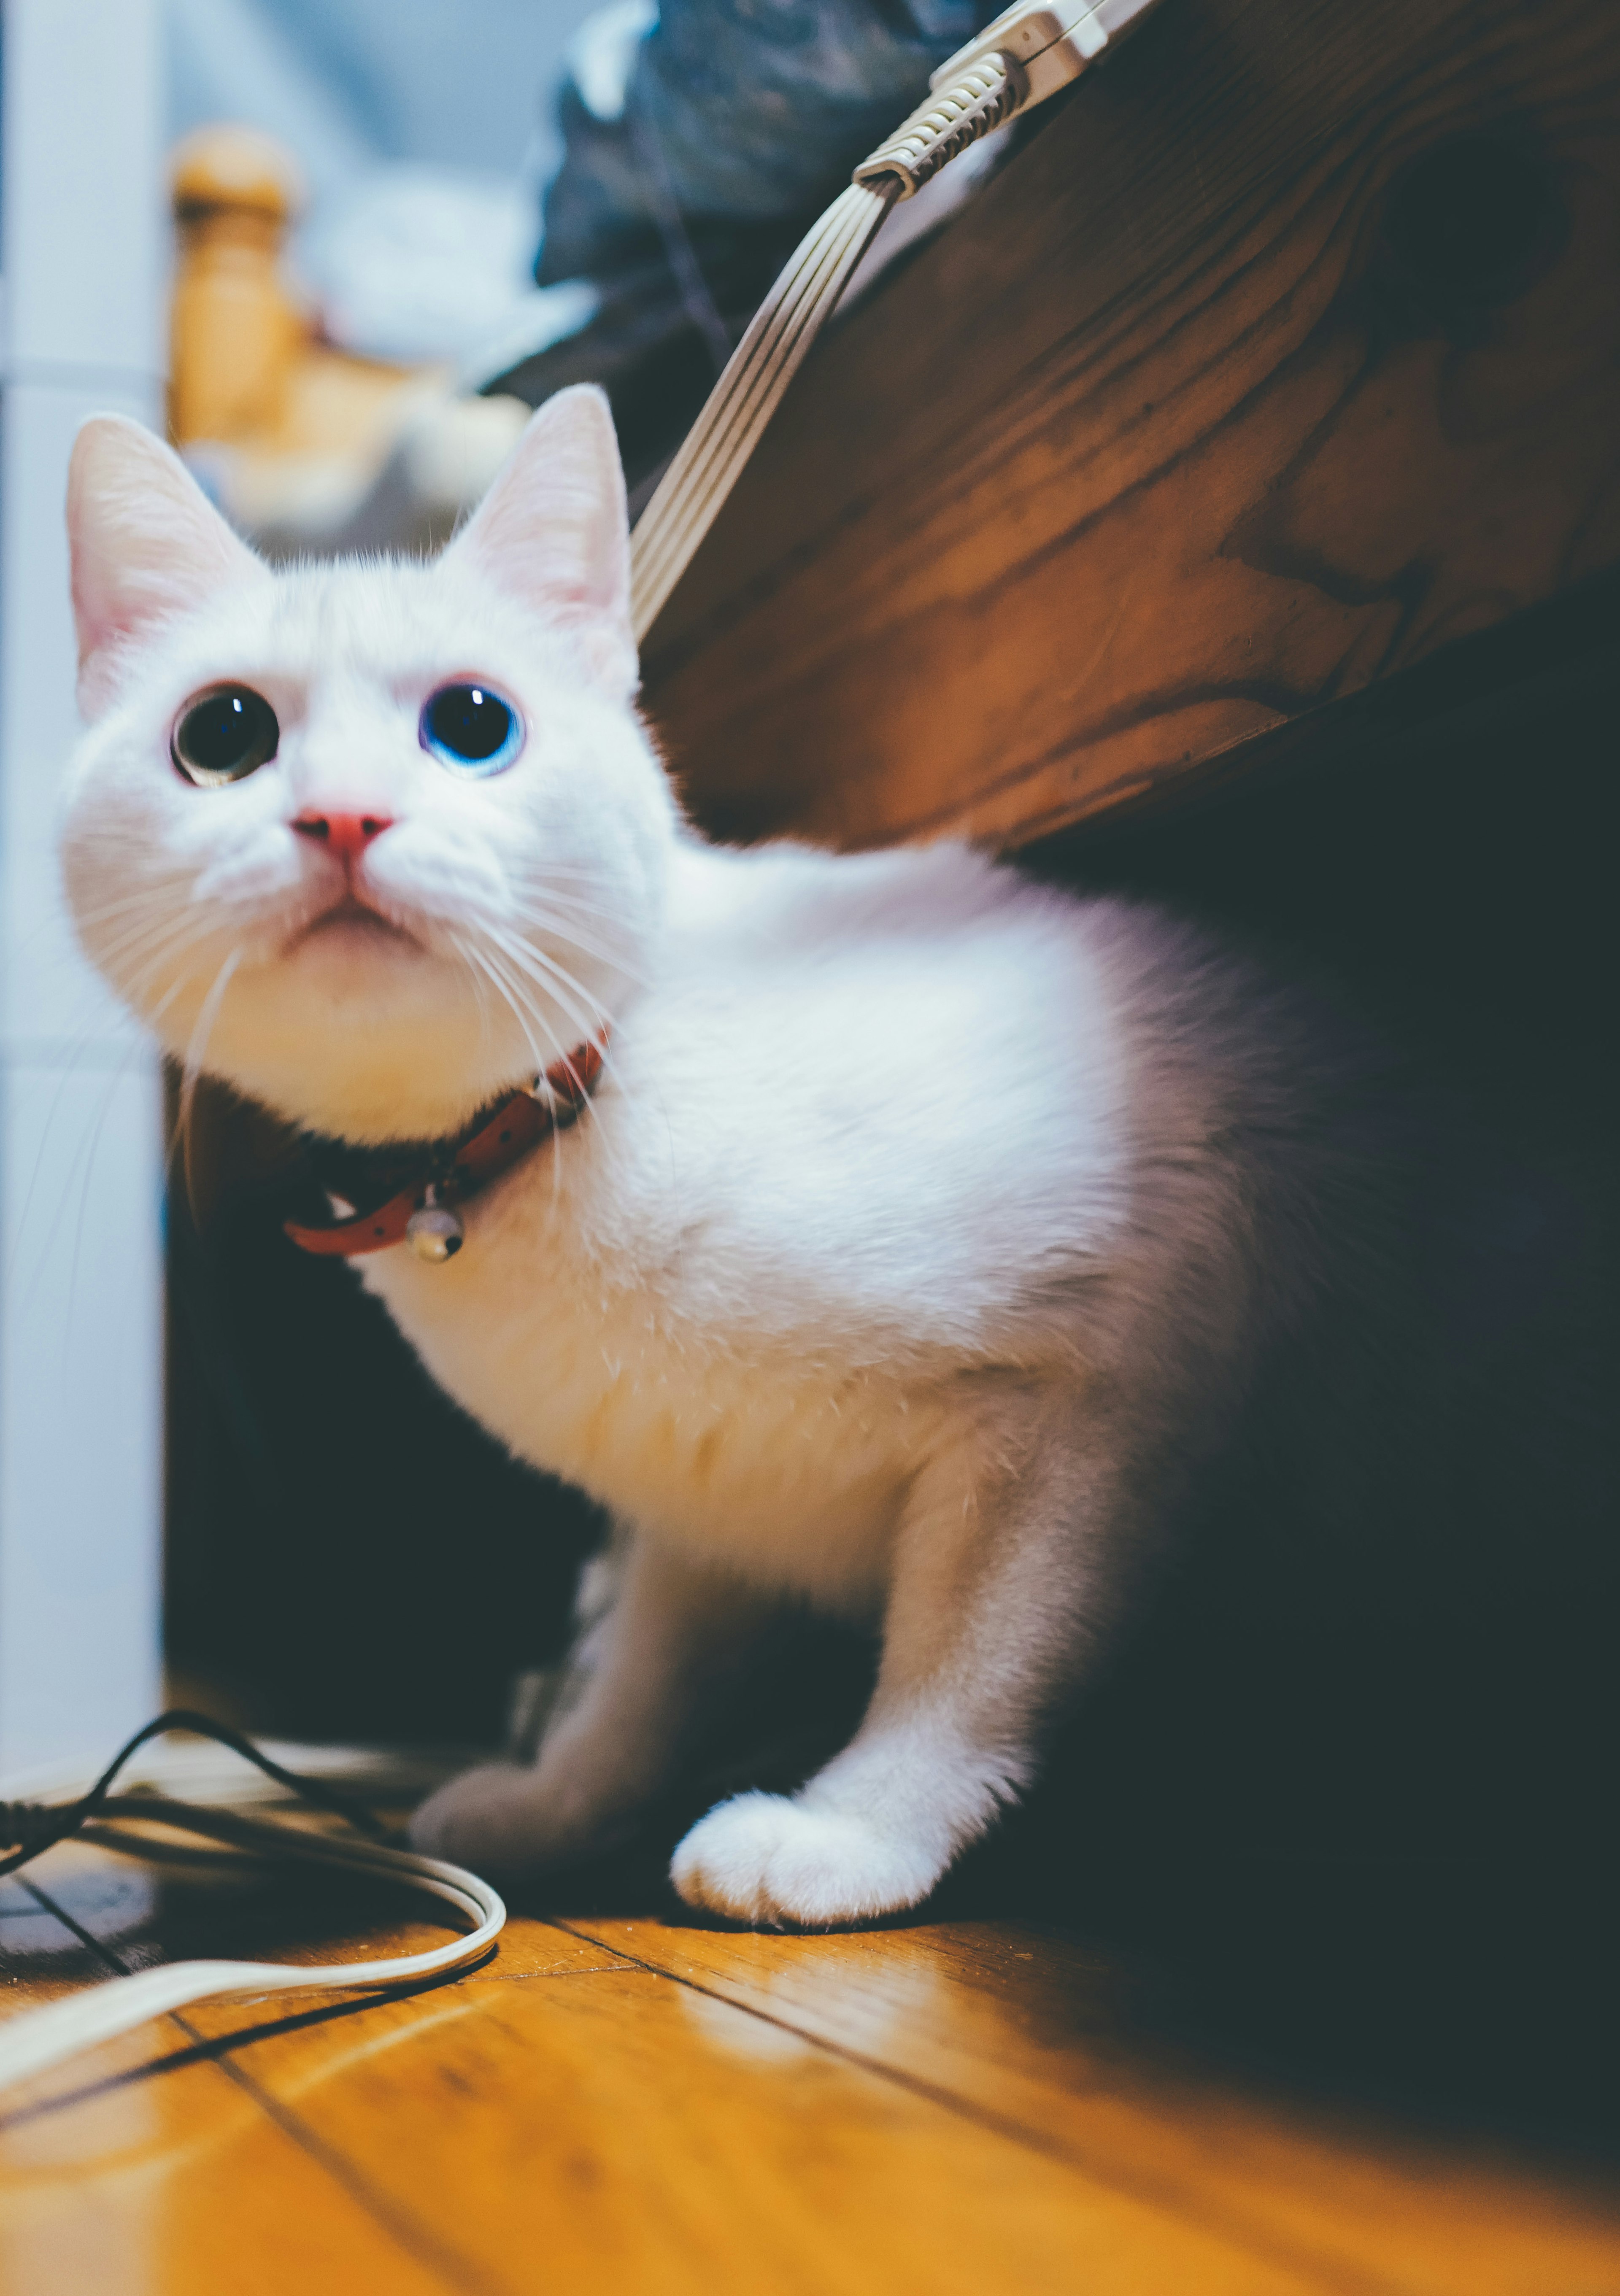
pixel 38 2038
pixel 711 456
pixel 1027 53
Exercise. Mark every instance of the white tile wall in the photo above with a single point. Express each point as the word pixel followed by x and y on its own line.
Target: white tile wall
pixel 80 1195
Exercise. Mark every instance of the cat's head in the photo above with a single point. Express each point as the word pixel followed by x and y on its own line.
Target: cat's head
pixel 372 841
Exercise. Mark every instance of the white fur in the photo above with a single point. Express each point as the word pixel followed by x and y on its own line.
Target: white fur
pixel 887 1254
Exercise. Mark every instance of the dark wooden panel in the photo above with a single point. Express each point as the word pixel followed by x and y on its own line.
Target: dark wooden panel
pixel 1284 353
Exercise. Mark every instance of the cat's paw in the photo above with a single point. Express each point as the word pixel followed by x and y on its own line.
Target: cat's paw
pixel 502 1818
pixel 761 1858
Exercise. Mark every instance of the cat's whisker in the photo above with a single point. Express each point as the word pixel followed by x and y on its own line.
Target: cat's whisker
pixel 524 893
pixel 481 975
pixel 562 930
pixel 171 1139
pixel 153 955
pixel 480 990
pixel 153 1008
pixel 558 982
pixel 482 960
pixel 530 889
pixel 521 991
pixel 588 1110
pixel 115 951
pixel 564 926
pixel 99 912
pixel 553 978
pixel 161 941
pixel 85 921
pixel 582 872
pixel 92 1142
pixel 129 946
pixel 196 1053
pixel 544 971
pixel 129 957
pixel 88 917
pixel 544 891
pixel 75 1179
pixel 601 1031
pixel 556 915
pixel 64 1077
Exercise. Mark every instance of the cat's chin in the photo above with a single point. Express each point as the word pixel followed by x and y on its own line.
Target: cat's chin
pixel 355 1091
pixel 369 1040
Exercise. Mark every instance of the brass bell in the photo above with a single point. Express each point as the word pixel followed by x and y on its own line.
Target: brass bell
pixel 434 1232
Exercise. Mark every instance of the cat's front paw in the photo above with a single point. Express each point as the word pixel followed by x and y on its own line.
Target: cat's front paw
pixel 761 1858
pixel 502 1818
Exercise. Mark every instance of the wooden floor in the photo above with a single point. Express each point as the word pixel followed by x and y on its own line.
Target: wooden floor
pixel 629 2104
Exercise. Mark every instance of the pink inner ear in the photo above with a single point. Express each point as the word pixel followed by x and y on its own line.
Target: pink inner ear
pixel 145 544
pixel 553 530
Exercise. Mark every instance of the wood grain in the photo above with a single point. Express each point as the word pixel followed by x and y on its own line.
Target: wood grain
pixel 1033 2030
pixel 1284 353
pixel 624 2133
pixel 631 2105
pixel 141 2170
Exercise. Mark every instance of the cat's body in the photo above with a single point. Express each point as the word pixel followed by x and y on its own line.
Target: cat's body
pixel 926 1241
pixel 771 1251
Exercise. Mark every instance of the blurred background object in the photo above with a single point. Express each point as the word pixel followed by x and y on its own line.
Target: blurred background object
pixel 304 445
pixel 424 135
pixel 357 202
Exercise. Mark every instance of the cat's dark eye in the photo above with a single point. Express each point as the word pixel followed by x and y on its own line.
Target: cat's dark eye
pixel 222 735
pixel 472 728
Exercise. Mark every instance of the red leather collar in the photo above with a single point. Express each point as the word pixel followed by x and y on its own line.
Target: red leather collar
pixel 519 1124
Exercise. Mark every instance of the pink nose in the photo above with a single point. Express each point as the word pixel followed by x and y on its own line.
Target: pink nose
pixel 345 834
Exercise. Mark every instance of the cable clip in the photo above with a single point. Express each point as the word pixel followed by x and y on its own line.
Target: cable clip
pixel 1051 42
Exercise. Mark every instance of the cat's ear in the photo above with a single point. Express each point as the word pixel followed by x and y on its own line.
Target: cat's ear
pixel 145 542
pixel 552 530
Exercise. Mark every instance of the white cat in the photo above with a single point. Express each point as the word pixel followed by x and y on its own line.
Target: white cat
pixel 914 1255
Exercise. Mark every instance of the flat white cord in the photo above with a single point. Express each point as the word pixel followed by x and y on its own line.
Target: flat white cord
pixel 1027 53
pixel 37 2038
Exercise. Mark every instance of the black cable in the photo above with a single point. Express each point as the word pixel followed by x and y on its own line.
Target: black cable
pixel 34 1827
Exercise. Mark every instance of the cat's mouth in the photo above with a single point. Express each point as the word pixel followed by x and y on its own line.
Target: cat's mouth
pixel 351 922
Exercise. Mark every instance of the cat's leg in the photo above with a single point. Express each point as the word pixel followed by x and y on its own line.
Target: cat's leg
pixel 1001 1576
pixel 642 1675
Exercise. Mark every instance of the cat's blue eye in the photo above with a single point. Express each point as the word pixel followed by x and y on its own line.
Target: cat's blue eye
pixel 471 728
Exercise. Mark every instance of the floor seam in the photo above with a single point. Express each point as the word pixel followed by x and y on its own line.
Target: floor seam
pixel 423 2246
pixel 550 1976
pixel 420 2244
pixel 1019 2132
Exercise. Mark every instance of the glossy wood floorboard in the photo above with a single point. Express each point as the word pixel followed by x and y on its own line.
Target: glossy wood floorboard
pixel 632 2105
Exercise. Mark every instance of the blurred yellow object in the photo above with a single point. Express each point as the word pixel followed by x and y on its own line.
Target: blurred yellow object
pixel 298 437
pixel 246 367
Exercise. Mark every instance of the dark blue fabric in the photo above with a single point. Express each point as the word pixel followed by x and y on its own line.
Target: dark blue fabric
pixel 758 108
